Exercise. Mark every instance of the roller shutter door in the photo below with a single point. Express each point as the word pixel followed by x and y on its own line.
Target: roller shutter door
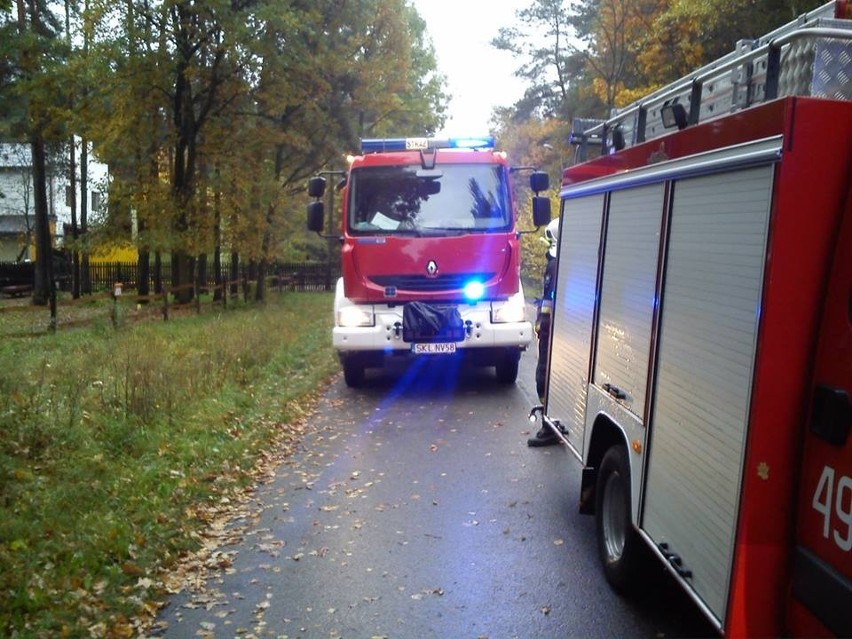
pixel 707 339
pixel 628 292
pixel 572 326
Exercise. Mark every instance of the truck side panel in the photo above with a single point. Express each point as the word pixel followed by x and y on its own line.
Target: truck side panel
pixel 822 571
pixel 628 292
pixel 707 340
pixel 812 189
pixel 571 335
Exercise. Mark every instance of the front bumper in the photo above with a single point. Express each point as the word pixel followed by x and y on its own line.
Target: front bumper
pixel 386 334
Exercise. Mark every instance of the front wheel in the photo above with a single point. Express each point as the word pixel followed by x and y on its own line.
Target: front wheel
pixel 619 544
pixel 353 371
pixel 507 367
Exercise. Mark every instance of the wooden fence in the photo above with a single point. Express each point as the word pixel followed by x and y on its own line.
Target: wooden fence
pixel 19 318
pixel 300 276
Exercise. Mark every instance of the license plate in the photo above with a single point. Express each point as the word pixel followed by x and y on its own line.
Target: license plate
pixel 433 348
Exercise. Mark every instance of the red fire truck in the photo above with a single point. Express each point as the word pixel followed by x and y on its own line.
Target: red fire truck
pixel 700 363
pixel 430 255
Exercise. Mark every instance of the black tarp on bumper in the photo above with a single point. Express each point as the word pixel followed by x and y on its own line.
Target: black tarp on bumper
pixel 422 322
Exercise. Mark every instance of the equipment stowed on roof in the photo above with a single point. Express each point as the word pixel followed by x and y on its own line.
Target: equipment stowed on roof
pixel 810 56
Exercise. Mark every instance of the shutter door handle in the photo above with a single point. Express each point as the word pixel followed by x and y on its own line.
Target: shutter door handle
pixel 615 391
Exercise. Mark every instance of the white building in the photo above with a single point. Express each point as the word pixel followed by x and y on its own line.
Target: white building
pixel 17 202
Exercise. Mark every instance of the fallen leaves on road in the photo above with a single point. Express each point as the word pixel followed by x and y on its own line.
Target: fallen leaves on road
pixel 417 596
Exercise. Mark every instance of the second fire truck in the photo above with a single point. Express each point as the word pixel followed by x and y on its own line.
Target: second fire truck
pixel 430 255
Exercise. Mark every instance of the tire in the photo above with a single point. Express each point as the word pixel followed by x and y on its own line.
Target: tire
pixel 619 545
pixel 353 372
pixel 507 367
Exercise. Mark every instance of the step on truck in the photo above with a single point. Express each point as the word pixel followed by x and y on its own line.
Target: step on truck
pixel 700 362
pixel 430 255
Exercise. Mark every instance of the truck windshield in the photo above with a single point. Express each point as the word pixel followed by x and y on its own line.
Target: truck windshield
pixel 452 198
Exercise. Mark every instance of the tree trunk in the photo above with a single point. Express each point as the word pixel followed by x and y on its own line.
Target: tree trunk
pixel 262 267
pixel 43 280
pixel 218 292
pixel 217 274
pixel 75 231
pixel 43 285
pixel 201 277
pixel 143 273
pixel 183 176
pixel 85 275
pixel 72 179
pixel 158 273
pixel 260 289
pixel 235 273
pixel 182 267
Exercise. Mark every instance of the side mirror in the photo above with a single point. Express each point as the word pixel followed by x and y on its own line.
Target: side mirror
pixel 541 209
pixel 429 187
pixel 316 186
pixel 539 181
pixel 316 213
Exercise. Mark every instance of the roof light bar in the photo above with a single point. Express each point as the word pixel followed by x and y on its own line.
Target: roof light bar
pixel 486 142
pixel 386 145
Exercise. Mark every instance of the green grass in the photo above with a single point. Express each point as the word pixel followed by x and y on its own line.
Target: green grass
pixel 113 441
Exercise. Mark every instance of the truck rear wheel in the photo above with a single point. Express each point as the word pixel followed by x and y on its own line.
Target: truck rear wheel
pixel 353 371
pixel 507 366
pixel 619 544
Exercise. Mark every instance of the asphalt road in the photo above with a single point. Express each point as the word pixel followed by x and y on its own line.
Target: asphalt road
pixel 415 509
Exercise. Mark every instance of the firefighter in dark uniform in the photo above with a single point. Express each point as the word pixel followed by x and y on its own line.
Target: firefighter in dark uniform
pixel 545 436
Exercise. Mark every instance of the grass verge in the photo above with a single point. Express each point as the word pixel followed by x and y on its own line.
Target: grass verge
pixel 113 442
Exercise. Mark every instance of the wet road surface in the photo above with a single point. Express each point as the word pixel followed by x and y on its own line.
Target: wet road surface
pixel 414 508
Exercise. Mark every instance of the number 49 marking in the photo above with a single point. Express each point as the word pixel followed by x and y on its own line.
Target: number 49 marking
pixel 827 496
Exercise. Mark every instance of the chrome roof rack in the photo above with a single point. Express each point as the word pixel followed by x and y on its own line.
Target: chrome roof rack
pixel 810 56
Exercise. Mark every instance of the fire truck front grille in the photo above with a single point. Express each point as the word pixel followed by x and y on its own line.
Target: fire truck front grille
pixel 421 283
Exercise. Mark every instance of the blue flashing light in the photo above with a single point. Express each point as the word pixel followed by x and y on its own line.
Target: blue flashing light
pixel 388 145
pixel 474 290
pixel 382 145
pixel 486 142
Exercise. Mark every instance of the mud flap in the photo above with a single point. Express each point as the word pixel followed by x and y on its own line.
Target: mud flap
pixel 423 322
pixel 587 490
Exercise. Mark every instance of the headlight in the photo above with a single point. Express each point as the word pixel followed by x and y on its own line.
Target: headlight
pixel 351 316
pixel 511 311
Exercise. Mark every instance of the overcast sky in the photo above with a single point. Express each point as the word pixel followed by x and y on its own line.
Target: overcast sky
pixel 479 77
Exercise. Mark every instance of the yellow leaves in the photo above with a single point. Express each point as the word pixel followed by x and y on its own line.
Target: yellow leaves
pixel 131 569
pixel 121 629
pixel 625 96
pixel 22 474
pixel 18 544
pixel 643 44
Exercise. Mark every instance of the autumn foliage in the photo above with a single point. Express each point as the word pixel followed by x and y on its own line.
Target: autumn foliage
pixel 211 115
